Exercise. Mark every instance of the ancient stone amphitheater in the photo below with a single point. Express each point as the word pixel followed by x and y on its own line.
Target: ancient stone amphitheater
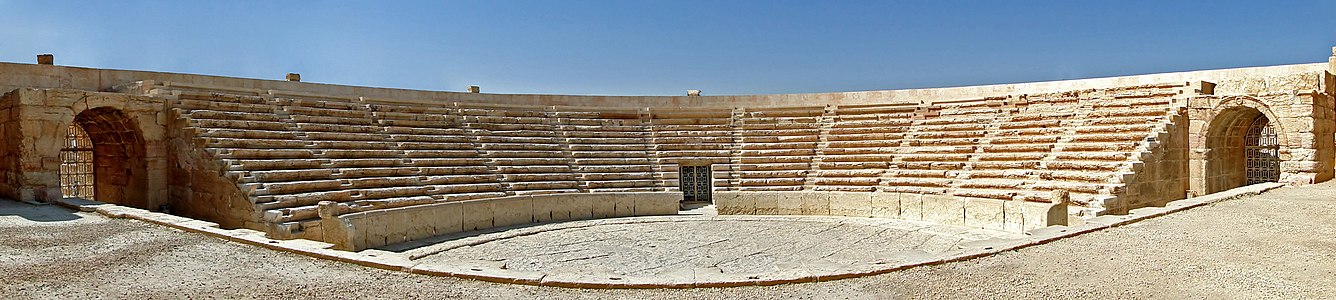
pixel 362 167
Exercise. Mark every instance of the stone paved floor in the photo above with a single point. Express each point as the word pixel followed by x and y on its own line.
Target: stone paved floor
pixel 735 245
pixel 1278 245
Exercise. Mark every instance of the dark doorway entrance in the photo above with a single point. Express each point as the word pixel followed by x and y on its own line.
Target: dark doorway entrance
pixel 104 156
pixel 76 164
pixel 695 182
pixel 1261 152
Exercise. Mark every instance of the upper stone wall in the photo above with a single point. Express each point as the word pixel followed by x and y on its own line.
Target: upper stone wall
pixel 1273 78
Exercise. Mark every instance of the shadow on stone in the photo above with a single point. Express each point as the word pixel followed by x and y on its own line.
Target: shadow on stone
pixel 36 213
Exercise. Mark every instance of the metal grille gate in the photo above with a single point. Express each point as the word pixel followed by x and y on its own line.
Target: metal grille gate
pixel 694 182
pixel 76 164
pixel 1261 149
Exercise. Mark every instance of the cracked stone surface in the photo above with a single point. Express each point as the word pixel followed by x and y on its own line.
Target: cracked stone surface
pixel 1274 246
pixel 737 245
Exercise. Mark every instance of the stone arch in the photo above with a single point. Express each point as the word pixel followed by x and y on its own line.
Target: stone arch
pixel 1224 158
pixel 1234 103
pixel 120 165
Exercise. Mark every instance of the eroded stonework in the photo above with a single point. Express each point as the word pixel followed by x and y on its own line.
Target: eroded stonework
pixel 366 167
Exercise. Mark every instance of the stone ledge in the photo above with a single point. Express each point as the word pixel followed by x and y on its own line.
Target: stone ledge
pixel 1010 216
pixel 378 228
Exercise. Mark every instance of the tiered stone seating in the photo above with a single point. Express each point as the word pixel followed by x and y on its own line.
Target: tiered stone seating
pixel 610 149
pixel 936 155
pixel 857 144
pixel 361 166
pixel 1104 139
pixel 1012 152
pixel 289 152
pixel 524 146
pixel 776 147
pixel 693 136
pixel 444 154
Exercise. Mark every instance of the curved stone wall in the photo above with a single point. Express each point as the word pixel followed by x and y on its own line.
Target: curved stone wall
pixel 288 151
pixel 264 154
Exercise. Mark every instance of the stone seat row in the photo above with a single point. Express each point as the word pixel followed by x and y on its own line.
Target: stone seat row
pixel 925 132
pixel 539 142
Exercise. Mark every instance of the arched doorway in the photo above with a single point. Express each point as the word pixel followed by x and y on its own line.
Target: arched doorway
pixel 1243 147
pixel 1261 152
pixel 76 164
pixel 106 157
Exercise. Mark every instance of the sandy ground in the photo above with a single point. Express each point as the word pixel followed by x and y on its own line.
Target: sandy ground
pixel 1281 244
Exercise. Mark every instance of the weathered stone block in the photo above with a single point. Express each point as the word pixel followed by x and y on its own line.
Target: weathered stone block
pixel 734 203
pixel 851 204
pixel 1040 215
pixel 547 208
pixel 512 211
pixel 885 205
pixel 446 218
pixel 1013 216
pixel 985 213
pixel 649 204
pixel 417 221
pixel 766 203
pixel 789 204
pixel 478 214
pixel 601 205
pixel 623 205
pixel 943 209
pixel 815 204
pixel 911 206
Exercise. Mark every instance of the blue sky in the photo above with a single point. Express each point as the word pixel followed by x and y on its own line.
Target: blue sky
pixel 668 47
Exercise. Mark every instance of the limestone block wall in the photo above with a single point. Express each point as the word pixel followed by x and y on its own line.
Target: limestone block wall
pixel 10 171
pixel 198 184
pixel 128 132
pixel 1300 109
pixel 264 154
pixel 370 229
pixel 1162 173
pixel 288 151
pixel 1002 215
pixel 46 76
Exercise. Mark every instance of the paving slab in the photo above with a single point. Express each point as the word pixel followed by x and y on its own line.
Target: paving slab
pixel 726 250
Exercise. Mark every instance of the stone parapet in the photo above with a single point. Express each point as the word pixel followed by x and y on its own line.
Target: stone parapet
pixel 993 214
pixel 370 229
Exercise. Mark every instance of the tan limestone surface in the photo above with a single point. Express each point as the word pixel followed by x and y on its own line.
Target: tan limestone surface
pixel 35 76
pixel 289 151
pixel 705 248
pixel 262 154
pixel 1268 246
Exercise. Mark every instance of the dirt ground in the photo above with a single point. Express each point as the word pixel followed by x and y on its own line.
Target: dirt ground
pixel 1281 244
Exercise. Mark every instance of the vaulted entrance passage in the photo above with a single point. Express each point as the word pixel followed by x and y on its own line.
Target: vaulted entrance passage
pixel 1261 152
pixel 76 164
pixel 1243 147
pixel 106 159
pixel 695 182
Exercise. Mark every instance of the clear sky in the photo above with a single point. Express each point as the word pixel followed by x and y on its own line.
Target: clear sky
pixel 668 47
